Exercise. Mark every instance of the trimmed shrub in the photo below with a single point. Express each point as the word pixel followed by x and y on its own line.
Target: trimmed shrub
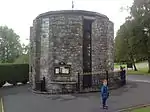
pixel 14 73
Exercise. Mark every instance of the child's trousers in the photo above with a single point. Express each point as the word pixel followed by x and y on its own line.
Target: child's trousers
pixel 104 101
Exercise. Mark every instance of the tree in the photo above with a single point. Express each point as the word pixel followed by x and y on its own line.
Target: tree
pixel 140 13
pixel 25 49
pixel 125 50
pixel 10 47
pixel 136 29
pixel 24 58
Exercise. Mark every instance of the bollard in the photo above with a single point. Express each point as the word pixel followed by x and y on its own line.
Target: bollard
pixel 43 88
pixel 78 85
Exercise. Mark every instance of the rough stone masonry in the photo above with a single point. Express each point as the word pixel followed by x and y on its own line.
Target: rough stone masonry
pixel 58 36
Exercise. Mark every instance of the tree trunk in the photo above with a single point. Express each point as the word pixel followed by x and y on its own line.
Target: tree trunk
pixel 135 69
pixel 148 64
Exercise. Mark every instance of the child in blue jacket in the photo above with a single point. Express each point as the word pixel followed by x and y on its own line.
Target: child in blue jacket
pixel 104 94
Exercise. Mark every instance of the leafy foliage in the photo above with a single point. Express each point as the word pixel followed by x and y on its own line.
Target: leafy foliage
pixel 133 38
pixel 23 59
pixel 140 12
pixel 10 47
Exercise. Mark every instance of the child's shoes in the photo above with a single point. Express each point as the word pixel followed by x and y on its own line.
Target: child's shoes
pixel 105 107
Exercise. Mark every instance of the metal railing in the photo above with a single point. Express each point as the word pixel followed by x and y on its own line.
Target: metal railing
pixel 115 79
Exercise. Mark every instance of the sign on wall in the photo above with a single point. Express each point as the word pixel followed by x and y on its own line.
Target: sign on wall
pixel 62 69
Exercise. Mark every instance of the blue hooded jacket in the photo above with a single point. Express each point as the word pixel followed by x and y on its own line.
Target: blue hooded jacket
pixel 104 91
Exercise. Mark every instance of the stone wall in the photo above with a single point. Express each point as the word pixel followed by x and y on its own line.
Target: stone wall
pixel 67 42
pixel 32 63
pixel 110 41
pixel 99 44
pixel 31 56
pixel 44 59
pixel 102 45
pixel 58 37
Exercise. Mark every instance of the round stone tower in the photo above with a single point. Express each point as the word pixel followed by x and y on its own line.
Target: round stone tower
pixel 65 43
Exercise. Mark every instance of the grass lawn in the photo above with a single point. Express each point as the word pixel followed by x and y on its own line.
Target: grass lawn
pixel 142 68
pixel 118 65
pixel 140 71
pixel 144 109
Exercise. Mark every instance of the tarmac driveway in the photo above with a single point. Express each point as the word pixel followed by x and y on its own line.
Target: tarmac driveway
pixel 20 99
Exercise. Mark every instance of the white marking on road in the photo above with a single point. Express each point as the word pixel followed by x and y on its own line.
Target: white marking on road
pixel 2 106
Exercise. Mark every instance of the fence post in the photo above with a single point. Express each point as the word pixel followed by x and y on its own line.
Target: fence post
pixel 107 77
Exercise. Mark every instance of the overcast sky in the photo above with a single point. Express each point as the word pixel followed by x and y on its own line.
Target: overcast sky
pixel 19 14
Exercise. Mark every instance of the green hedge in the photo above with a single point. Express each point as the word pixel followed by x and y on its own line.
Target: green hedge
pixel 13 73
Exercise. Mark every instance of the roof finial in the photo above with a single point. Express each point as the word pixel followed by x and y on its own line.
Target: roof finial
pixel 72 5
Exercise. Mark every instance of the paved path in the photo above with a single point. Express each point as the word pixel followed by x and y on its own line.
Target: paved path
pixel 139 78
pixel 19 99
